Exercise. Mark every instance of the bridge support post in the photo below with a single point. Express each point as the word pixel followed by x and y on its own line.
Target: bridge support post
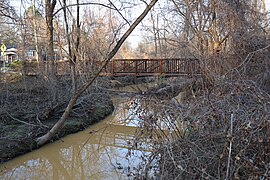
pixel 160 67
pixel 136 68
pixel 112 67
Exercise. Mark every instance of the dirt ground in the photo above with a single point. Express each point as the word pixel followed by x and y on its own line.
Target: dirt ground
pixel 27 112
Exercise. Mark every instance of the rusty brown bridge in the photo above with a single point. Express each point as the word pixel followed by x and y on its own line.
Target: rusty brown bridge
pixel 133 67
pixel 153 67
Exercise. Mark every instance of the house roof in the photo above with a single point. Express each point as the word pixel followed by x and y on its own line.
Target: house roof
pixel 11 50
pixel 10 53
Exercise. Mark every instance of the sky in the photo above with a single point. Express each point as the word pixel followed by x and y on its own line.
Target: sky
pixel 136 35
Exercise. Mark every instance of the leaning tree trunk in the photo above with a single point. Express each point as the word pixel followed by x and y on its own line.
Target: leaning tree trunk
pixel 43 139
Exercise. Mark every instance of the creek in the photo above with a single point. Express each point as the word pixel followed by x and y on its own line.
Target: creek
pixel 105 150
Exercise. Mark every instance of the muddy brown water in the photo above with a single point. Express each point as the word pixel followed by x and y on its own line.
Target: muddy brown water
pixel 103 151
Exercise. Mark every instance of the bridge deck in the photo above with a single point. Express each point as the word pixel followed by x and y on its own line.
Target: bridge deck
pixel 152 67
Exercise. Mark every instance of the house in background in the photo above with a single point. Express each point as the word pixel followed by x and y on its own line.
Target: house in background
pixel 12 54
pixel 9 56
pixel 31 54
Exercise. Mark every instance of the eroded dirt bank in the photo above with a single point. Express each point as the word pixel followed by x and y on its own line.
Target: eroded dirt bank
pixel 27 109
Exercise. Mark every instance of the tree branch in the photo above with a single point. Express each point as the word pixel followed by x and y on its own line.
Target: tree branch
pixel 119 12
pixel 83 4
pixel 43 139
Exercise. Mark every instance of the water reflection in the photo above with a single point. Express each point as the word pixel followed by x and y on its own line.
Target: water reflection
pixel 100 152
pixel 111 149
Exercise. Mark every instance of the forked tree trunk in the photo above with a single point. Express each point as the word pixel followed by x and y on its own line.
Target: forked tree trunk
pixel 43 139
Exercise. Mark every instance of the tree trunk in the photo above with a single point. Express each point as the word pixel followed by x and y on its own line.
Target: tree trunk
pixel 76 50
pixel 200 29
pixel 72 58
pixel 187 21
pixel 35 34
pixel 43 139
pixel 214 30
pixel 265 16
pixel 154 33
pixel 51 69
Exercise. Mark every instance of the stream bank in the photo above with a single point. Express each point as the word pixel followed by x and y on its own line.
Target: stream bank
pixel 27 112
pixel 118 146
pixel 19 138
pixel 113 148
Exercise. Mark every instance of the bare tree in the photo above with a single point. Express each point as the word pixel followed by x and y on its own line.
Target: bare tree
pixel 6 10
pixel 43 139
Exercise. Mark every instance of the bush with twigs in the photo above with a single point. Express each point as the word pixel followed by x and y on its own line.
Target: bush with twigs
pixel 224 130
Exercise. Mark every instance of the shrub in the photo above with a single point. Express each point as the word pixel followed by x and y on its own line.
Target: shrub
pixel 16 64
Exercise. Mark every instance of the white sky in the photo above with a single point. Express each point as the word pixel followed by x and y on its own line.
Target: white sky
pixel 136 35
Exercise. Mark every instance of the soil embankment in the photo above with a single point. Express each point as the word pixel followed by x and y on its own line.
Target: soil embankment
pixel 27 111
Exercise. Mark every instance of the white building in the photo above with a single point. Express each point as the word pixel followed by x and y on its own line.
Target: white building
pixel 9 56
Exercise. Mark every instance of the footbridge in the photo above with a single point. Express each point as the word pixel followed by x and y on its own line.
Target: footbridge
pixel 129 67
pixel 153 67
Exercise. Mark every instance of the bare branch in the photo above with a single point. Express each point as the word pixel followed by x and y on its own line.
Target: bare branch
pixel 84 4
pixel 16 119
pixel 119 12
pixel 43 139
